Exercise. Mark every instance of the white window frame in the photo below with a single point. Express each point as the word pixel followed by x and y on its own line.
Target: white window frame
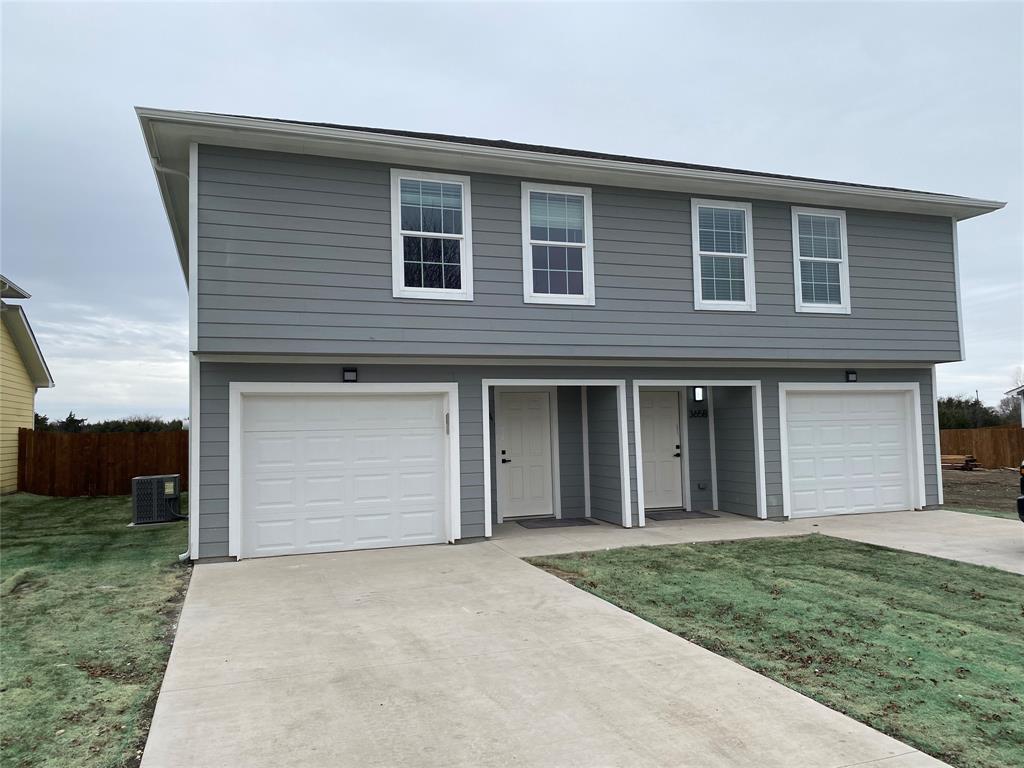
pixel 398 287
pixel 843 308
pixel 529 297
pixel 749 288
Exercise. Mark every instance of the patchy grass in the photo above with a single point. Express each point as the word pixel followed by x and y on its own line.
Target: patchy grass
pixel 930 651
pixel 989 492
pixel 89 608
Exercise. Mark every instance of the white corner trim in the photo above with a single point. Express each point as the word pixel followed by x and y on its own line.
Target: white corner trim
pixel 627 505
pixel 529 296
pixel 843 307
pixel 749 287
pixel 398 288
pixel 684 418
pixel 485 386
pixel 916 460
pixel 762 492
pixel 959 291
pixel 585 427
pixel 194 455
pixel 683 384
pixel 239 389
pixel 193 247
pixel 938 434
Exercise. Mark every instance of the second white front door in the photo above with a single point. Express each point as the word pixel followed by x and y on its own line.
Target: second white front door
pixel 523 448
pixel 662 462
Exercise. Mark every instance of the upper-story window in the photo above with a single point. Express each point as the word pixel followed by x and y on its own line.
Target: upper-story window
pixel 821 269
pixel 723 258
pixel 431 241
pixel 558 245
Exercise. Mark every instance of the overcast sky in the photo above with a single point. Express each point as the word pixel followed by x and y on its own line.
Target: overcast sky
pixel 922 95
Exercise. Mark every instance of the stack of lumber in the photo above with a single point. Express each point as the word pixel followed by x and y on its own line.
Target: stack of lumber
pixel 959 462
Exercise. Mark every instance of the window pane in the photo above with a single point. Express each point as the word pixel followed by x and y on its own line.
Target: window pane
pixel 540 281
pixel 722 278
pixel 431 206
pixel 557 270
pixel 819 282
pixel 556 218
pixel 819 236
pixel 432 262
pixel 722 230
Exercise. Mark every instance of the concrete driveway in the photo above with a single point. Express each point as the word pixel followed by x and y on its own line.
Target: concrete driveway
pixel 464 656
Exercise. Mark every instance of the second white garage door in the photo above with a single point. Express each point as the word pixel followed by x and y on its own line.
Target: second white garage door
pixel 335 472
pixel 849 452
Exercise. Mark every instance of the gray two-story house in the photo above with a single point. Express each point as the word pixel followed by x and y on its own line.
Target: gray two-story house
pixel 403 338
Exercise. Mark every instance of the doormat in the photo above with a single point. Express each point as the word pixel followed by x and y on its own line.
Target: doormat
pixel 551 522
pixel 677 514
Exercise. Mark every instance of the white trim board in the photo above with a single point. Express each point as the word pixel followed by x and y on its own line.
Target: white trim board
pixel 195 442
pixel 755 385
pixel 910 388
pixel 239 389
pixel 938 437
pixel 620 386
pixel 193 247
pixel 561 362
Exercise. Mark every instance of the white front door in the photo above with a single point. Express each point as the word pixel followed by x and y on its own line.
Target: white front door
pixel 848 452
pixel 659 436
pixel 323 473
pixel 523 453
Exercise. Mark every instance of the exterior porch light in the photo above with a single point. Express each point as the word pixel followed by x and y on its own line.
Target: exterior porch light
pixel 851 377
pixel 350 375
pixel 698 394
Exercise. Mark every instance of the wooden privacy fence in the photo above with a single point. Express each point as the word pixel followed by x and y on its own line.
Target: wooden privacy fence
pixel 97 463
pixel 991 446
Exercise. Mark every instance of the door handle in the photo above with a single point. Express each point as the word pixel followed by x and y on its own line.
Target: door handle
pixel 506 461
pixel 677 454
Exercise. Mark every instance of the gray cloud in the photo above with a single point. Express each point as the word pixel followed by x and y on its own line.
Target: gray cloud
pixel 922 95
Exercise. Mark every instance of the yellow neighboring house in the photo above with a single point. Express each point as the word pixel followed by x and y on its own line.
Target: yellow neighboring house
pixel 22 371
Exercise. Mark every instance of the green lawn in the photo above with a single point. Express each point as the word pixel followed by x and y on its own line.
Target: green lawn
pixel 930 651
pixel 88 609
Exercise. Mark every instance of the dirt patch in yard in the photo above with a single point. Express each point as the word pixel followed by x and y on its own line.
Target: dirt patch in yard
pixel 985 491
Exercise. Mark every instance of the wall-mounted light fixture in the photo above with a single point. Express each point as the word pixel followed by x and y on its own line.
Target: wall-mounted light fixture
pixel 350 375
pixel 851 376
pixel 698 394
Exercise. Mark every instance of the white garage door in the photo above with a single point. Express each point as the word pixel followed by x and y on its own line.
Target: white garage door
pixel 333 472
pixel 849 452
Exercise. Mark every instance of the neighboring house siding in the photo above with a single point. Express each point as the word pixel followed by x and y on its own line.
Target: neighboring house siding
pixel 735 453
pixel 605 457
pixel 602 410
pixel 570 452
pixel 700 453
pixel 295 257
pixel 17 397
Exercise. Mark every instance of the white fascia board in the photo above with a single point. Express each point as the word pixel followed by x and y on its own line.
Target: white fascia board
pixel 28 348
pixel 168 131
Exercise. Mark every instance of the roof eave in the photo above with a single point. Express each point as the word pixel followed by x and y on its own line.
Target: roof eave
pixel 27 346
pixel 254 133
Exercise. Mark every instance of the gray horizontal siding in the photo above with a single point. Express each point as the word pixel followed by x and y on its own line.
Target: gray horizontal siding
pixel 735 455
pixel 602 411
pixel 295 256
pixel 570 452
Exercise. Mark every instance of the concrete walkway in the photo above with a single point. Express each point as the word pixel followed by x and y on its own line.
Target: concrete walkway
pixel 467 656
pixel 991 541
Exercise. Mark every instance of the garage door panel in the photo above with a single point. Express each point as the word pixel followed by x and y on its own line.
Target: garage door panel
pixel 848 452
pixel 335 473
